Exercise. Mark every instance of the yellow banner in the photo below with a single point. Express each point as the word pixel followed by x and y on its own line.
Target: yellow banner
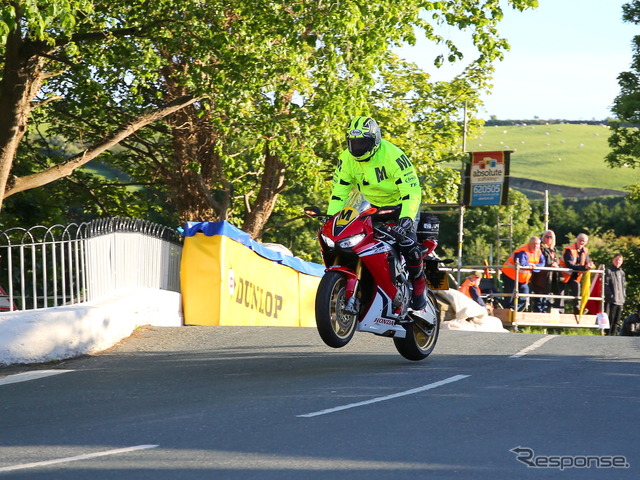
pixel 586 290
pixel 225 283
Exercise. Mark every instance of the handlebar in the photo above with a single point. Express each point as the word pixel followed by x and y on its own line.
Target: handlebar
pixel 385 231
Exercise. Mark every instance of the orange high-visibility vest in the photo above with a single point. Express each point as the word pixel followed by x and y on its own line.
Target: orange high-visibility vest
pixel 467 285
pixel 509 267
pixel 580 259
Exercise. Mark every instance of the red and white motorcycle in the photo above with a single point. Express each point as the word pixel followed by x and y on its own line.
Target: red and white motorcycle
pixel 366 286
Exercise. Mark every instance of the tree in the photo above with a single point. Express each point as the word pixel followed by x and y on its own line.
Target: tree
pixel 625 136
pixel 36 41
pixel 269 85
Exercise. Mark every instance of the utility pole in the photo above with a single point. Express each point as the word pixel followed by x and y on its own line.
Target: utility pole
pixel 464 128
pixel 546 210
pixel 461 218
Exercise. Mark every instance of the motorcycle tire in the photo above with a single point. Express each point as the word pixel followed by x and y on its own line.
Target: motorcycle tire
pixel 421 336
pixel 336 328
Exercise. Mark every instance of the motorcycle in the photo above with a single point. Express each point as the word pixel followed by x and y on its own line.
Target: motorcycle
pixel 366 286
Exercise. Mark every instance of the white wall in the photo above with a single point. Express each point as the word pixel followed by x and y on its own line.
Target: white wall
pixel 57 333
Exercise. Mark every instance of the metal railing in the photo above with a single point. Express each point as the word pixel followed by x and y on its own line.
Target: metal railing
pixel 495 271
pixel 44 267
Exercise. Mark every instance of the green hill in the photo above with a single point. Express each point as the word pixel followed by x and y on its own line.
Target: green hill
pixel 561 154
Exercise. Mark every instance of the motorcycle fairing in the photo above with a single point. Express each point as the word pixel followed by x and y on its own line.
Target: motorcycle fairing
pixel 428 314
pixel 343 219
pixel 428 246
pixel 375 249
pixel 380 319
pixel 352 279
pixel 378 266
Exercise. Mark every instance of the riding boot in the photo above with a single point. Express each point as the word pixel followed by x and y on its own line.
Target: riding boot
pixel 415 268
pixel 418 299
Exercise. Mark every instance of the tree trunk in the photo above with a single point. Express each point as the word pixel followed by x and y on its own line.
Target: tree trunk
pixel 271 185
pixel 21 80
pixel 196 179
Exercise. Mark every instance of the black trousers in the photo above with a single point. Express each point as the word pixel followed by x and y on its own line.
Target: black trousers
pixel 614 312
pixel 572 287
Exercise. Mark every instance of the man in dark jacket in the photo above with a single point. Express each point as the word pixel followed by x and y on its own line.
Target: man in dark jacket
pixel 575 257
pixel 615 291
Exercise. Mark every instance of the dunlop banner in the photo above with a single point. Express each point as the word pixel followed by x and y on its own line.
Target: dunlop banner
pixel 225 281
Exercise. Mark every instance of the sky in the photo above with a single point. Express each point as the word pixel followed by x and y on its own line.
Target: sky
pixel 563 63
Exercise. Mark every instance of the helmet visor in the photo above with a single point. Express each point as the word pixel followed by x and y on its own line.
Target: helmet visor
pixel 360 146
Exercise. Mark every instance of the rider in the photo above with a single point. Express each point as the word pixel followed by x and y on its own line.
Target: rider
pixel 385 176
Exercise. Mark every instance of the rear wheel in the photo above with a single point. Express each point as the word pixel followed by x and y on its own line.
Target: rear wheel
pixel 335 326
pixel 421 335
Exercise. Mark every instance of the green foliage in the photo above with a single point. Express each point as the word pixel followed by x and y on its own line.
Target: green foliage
pixel 278 81
pixel 625 138
pixel 82 197
pixel 285 97
pixel 44 19
pixel 568 217
pixel 423 118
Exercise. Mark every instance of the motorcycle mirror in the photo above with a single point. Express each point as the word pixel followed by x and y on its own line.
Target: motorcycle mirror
pixel 312 211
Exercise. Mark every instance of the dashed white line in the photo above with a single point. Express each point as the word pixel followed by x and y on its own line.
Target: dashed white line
pixel 532 347
pixel 33 375
pixel 388 397
pixel 87 456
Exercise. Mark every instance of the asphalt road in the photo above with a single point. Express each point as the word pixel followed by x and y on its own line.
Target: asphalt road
pixel 275 403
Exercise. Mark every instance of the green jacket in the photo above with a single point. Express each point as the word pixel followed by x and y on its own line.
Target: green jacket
pixel 387 178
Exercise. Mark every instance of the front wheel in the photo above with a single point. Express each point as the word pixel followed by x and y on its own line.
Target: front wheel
pixel 421 335
pixel 335 326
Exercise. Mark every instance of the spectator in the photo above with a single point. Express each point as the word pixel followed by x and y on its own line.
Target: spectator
pixel 546 281
pixel 471 287
pixel 575 257
pixel 615 291
pixel 528 256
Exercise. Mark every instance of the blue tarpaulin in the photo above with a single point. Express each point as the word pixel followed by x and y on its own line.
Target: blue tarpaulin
pixel 225 228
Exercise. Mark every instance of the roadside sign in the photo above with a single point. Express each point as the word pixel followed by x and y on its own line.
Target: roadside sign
pixel 486 178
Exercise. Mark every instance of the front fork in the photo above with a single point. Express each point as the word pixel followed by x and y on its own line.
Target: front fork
pixel 352 306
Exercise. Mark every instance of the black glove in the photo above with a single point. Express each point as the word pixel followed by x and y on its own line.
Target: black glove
pixel 404 226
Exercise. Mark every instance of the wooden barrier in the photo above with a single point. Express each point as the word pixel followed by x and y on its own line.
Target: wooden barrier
pixel 554 319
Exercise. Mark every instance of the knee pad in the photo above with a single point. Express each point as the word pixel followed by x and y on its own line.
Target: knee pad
pixel 413 258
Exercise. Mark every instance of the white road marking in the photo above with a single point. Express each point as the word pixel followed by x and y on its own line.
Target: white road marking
pixel 388 397
pixel 76 458
pixel 532 347
pixel 33 375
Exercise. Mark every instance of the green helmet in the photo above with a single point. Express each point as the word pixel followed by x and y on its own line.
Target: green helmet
pixel 363 138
